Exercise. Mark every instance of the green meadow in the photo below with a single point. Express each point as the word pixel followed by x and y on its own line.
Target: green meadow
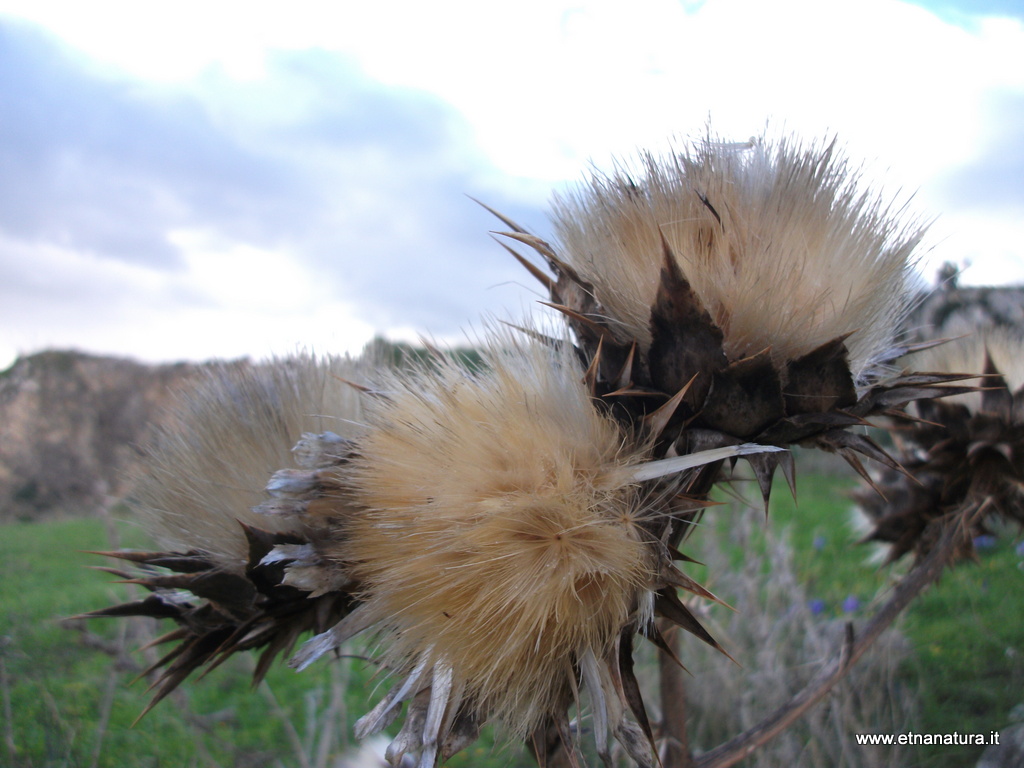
pixel 68 698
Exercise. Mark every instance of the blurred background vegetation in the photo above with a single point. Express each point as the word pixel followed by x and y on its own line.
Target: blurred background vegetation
pixel 71 424
pixel 953 664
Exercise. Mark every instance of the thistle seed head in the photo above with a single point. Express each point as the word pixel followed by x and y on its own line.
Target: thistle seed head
pixel 776 239
pixel 737 293
pixel 210 459
pixel 964 454
pixel 490 542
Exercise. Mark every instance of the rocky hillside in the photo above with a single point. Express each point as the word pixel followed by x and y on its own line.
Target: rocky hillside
pixel 70 425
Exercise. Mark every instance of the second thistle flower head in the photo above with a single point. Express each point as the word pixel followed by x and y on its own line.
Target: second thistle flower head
pixel 507 542
pixel 498 543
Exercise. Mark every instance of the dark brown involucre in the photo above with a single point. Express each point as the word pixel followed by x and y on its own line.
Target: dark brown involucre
pixel 964 455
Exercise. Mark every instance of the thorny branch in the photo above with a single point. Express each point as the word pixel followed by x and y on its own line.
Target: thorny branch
pixel 917 579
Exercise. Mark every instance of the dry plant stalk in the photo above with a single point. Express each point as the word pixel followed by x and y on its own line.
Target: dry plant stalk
pixel 508 531
pixel 781 644
pixel 948 544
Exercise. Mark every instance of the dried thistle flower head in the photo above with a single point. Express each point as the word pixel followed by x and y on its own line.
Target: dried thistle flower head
pixel 729 293
pixel 505 545
pixel 964 454
pixel 775 239
pixel 250 565
pixel 210 459
pixel 492 543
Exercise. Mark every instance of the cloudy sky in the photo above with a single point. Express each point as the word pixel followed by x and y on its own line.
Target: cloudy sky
pixel 187 180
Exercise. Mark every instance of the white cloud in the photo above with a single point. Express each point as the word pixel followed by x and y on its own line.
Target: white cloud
pixel 547 86
pixel 335 176
pixel 228 301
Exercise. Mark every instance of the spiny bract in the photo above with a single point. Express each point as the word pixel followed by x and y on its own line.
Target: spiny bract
pixel 964 454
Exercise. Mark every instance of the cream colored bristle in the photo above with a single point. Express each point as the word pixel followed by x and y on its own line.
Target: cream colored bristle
pixel 967 355
pixel 781 246
pixel 223 439
pixel 491 544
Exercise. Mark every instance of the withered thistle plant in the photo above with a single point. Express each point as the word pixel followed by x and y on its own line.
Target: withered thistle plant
pixel 507 532
pixel 200 495
pixel 965 454
pixel 494 527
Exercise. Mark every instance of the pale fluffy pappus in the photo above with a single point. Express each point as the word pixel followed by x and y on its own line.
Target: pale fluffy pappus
pixel 776 238
pixel 492 544
pixel 212 456
pixel 966 353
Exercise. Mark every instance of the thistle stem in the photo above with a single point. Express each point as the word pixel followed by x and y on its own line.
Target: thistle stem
pixel 549 750
pixel 671 682
pixel 673 706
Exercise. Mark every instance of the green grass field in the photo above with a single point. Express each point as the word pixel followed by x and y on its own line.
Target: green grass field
pixel 67 701
pixel 67 696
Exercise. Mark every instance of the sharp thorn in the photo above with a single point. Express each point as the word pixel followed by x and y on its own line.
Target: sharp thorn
pixel 546 280
pixel 536 243
pixel 625 377
pixel 659 419
pixel 501 217
pixel 574 315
